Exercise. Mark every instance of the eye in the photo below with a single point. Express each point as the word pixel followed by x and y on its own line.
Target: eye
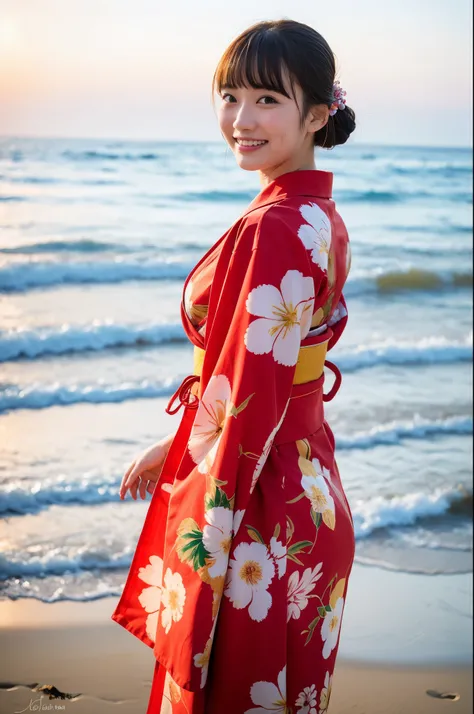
pixel 272 100
pixel 226 94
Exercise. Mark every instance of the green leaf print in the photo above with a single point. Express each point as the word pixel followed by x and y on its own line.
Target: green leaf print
pixel 254 534
pixel 219 499
pixel 193 549
pixel 316 518
pixel 297 548
pixel 311 629
pixel 236 410
pixel 322 611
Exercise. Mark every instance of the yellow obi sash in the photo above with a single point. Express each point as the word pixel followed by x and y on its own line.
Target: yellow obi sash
pixel 309 366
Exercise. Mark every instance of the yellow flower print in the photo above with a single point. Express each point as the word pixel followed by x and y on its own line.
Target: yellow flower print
pixel 325 695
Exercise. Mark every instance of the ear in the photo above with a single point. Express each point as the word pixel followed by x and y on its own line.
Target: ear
pixel 318 116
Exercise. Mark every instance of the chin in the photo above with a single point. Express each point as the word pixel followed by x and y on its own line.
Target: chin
pixel 247 166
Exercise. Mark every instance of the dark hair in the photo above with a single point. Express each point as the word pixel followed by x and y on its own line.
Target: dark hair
pixel 258 57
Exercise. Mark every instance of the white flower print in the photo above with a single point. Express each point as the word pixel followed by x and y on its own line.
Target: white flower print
pixel 316 236
pixel 214 407
pixel 238 516
pixel 250 573
pixel 269 696
pixel 325 695
pixel 317 490
pixel 173 597
pixel 284 317
pixel 217 538
pixel 321 470
pixel 150 598
pixel 307 701
pixel 331 626
pixel 266 450
pixel 338 314
pixel 278 550
pixel 299 589
pixel 171 694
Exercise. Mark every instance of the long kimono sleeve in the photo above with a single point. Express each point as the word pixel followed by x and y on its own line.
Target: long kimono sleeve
pixel 261 306
pixel 263 313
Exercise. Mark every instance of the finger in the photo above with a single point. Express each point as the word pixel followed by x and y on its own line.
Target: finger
pixel 151 486
pixel 133 490
pixel 142 487
pixel 123 487
pixel 133 475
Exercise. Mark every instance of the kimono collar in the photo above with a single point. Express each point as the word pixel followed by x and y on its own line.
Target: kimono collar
pixel 310 182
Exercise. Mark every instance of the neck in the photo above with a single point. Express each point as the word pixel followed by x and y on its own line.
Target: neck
pixel 268 175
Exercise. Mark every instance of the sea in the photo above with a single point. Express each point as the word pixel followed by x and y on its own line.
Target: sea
pixel 96 239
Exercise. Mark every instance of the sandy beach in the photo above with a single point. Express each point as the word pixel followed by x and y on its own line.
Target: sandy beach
pixel 77 648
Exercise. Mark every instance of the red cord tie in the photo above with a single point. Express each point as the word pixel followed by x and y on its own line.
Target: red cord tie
pixel 337 382
pixel 183 393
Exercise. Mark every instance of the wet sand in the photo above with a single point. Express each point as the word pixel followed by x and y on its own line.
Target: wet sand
pixel 79 650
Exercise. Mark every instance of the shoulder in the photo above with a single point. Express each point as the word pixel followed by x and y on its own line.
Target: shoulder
pixel 270 227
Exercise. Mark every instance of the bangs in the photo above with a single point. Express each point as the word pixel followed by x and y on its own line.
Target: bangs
pixel 255 59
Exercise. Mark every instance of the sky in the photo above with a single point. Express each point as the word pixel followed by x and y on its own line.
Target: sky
pixel 142 69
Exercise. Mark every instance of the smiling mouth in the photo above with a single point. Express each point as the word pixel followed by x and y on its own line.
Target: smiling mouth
pixel 250 142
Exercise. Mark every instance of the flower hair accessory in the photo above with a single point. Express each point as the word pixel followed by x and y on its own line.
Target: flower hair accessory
pixel 338 101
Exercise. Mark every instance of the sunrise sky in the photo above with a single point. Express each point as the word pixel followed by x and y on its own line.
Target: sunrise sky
pixel 141 69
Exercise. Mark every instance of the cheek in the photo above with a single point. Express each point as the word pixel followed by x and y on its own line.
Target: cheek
pixel 225 120
pixel 280 124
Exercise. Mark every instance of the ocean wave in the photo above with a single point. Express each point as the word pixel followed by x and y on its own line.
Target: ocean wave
pixel 52 181
pixel 390 197
pixel 396 432
pixel 70 246
pixel 370 516
pixel 377 513
pixel 412 279
pixel 13 199
pixel 52 395
pixel 41 342
pixel 428 350
pixel 98 336
pixel 21 277
pixel 213 196
pixel 53 564
pixel 110 156
pixel 440 170
pixel 90 490
pixel 444 229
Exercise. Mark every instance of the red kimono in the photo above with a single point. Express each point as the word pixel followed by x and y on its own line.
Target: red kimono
pixel 240 573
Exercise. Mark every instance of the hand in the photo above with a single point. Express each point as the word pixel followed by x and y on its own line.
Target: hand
pixel 144 472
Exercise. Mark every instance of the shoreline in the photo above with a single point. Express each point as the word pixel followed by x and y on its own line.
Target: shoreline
pixel 76 647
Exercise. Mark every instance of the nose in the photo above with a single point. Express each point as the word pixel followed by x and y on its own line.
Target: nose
pixel 244 118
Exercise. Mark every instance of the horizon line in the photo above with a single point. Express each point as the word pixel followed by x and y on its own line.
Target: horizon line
pixel 217 142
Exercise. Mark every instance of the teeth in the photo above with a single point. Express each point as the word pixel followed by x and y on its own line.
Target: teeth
pixel 243 142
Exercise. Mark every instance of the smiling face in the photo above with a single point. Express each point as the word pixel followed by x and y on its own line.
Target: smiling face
pixel 263 129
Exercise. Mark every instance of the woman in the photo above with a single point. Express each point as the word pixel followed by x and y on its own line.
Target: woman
pixel 240 574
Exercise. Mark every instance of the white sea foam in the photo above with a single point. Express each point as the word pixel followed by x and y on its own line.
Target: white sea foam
pixel 23 276
pixel 378 512
pixel 396 432
pixel 100 335
pixel 19 277
pixel 428 350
